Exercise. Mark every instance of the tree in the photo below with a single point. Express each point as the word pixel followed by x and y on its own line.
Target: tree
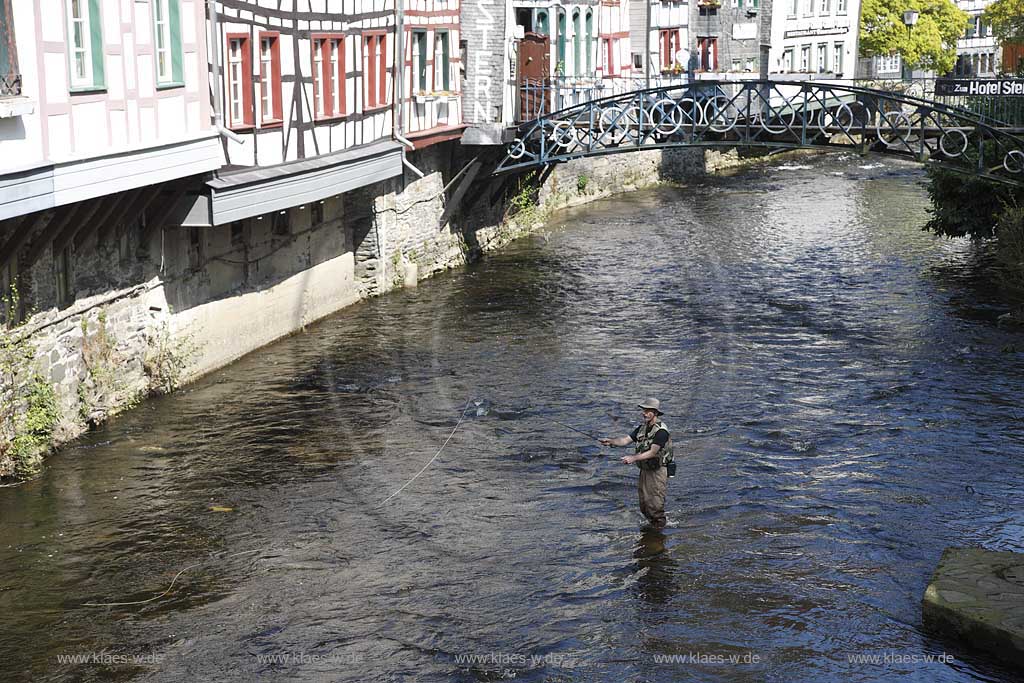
pixel 1006 17
pixel 929 44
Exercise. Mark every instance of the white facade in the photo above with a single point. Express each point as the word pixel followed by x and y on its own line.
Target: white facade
pixel 432 98
pixel 112 112
pixel 977 51
pixel 816 37
pixel 298 84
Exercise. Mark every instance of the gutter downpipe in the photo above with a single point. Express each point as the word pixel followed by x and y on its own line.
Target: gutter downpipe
pixel 218 92
pixel 647 47
pixel 400 84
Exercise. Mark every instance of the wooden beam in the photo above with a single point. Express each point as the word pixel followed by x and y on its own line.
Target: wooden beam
pixel 24 226
pixel 160 209
pixel 126 209
pixel 55 227
pixel 102 217
pixel 64 238
pixel 62 228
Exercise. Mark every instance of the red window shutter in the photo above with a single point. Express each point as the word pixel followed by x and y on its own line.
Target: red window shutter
pixel 382 69
pixel 370 72
pixel 325 76
pixel 247 85
pixel 341 75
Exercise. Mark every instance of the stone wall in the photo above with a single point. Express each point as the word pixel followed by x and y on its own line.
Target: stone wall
pixel 157 306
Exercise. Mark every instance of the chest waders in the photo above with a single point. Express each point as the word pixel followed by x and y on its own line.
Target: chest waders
pixel 644 441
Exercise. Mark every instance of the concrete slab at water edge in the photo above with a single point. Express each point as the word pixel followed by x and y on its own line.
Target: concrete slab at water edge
pixel 977 596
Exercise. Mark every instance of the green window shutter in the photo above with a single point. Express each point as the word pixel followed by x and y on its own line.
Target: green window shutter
pixel 590 45
pixel 177 69
pixel 561 42
pixel 446 60
pixel 96 29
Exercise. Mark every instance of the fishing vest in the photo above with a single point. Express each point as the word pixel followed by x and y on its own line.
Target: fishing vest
pixel 644 441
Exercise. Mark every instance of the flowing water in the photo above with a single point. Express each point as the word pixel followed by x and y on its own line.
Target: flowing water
pixel 843 408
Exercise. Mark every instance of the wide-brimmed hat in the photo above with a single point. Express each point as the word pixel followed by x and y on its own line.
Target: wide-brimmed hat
pixel 651 404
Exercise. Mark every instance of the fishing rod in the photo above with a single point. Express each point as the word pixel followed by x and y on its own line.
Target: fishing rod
pixel 578 431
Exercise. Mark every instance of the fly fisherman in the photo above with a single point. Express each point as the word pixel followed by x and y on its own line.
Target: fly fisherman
pixel 653 453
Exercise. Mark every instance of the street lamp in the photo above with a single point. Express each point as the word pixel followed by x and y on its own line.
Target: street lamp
pixel 909 18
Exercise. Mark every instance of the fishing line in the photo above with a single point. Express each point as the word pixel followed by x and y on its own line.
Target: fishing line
pixel 461 418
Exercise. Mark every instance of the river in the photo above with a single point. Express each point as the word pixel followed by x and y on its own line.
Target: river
pixel 843 408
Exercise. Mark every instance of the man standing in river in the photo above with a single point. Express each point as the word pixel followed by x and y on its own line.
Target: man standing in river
pixel 653 452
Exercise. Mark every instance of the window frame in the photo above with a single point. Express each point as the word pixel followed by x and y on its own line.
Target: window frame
pixel 172 35
pixel 91 50
pixel 707 53
pixel 838 52
pixel 418 44
pixel 274 87
pixel 330 84
pixel 670 42
pixel 445 67
pixel 244 81
pixel 375 70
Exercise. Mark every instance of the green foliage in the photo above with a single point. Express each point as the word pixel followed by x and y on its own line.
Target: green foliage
pixel 581 184
pixel 28 404
pixel 103 391
pixel 1006 17
pixel 524 199
pixel 965 205
pixel 1010 252
pixel 167 360
pixel 930 44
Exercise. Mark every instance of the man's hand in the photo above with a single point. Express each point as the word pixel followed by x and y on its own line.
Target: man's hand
pixel 606 441
pixel 629 459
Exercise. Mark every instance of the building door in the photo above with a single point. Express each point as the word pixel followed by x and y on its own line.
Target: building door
pixel 534 75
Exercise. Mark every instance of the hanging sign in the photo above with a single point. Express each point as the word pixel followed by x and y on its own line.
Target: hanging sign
pixel 1006 87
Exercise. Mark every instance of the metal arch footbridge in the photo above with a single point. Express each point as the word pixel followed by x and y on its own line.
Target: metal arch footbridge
pixel 772 114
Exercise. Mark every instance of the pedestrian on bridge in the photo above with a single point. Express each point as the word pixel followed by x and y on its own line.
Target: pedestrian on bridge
pixel 653 446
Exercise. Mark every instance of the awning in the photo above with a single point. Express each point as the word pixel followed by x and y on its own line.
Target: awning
pixel 238 194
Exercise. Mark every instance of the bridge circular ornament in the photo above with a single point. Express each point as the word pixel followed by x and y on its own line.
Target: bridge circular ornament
pixel 897 128
pixel 720 114
pixel 564 135
pixel 1014 161
pixel 953 142
pixel 691 113
pixel 517 149
pixel 611 123
pixel 666 116
pixel 785 120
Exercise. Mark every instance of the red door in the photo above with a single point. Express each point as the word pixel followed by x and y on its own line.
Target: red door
pixel 534 72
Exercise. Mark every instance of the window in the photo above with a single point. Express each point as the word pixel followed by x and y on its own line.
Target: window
pixel 270 77
pixel 577 36
pixel 328 76
pixel 826 8
pixel 822 58
pixel 560 67
pixel 239 82
pixel 195 249
pixel 8 295
pixel 10 78
pixel 85 44
pixel 840 6
pixel 736 64
pixel 888 64
pixel 590 43
pixel 442 62
pixel 808 8
pixel 167 42
pixel 794 8
pixel 972 27
pixel 670 42
pixel 542 22
pixel 375 70
pixel 787 60
pixel 608 57
pixel 707 54
pixel 982 29
pixel 419 56
pixel 837 59
pixel 748 66
pixel 65 279
pixel 280 224
pixel 805 58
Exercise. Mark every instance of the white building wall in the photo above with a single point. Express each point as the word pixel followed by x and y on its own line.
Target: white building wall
pixel 811 24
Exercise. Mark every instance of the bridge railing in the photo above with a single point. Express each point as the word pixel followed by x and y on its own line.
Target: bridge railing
pixel 771 114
